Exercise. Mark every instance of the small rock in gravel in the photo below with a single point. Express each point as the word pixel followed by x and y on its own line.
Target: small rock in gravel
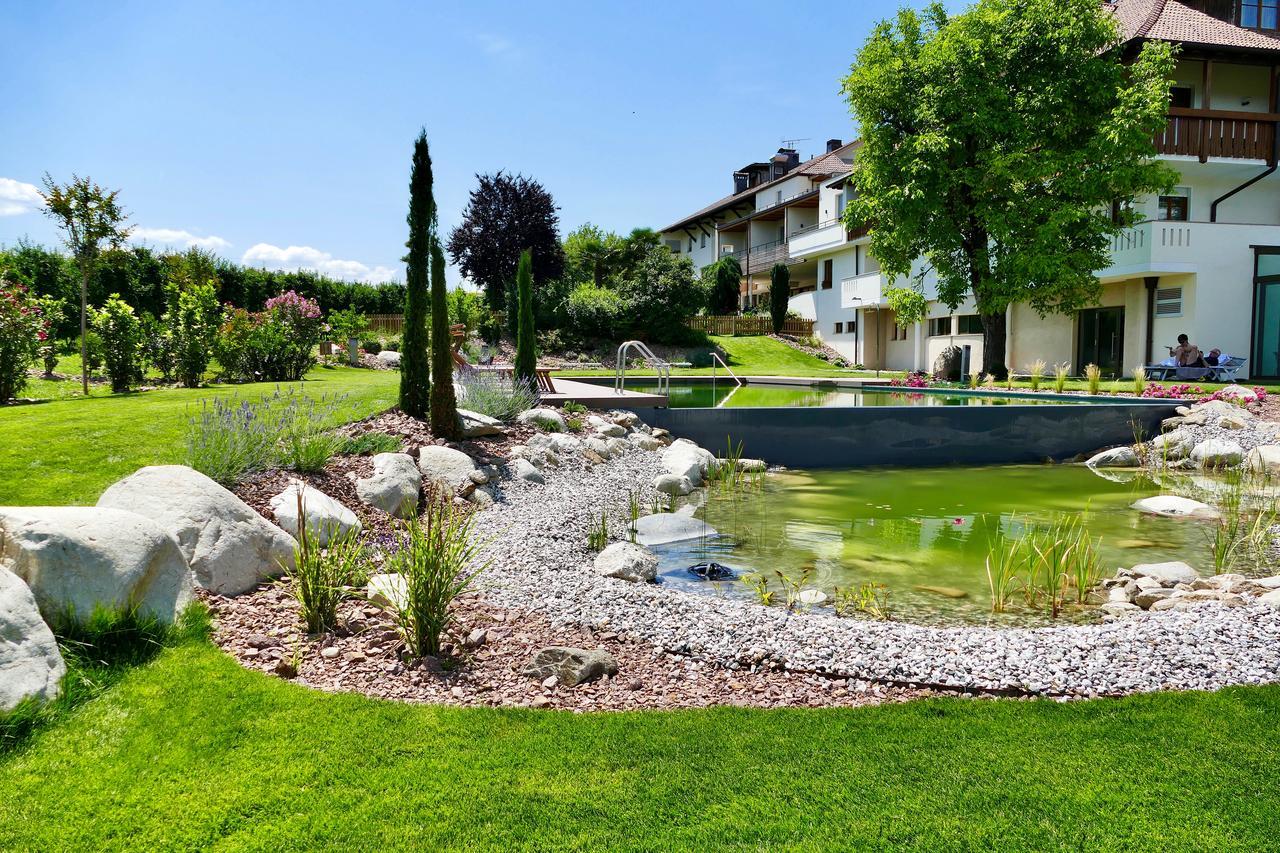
pixel 329 652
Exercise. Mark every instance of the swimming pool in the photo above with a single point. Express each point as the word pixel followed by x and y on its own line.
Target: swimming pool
pixel 726 394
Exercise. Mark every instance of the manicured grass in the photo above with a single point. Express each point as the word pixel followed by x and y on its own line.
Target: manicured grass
pixel 67 451
pixel 190 750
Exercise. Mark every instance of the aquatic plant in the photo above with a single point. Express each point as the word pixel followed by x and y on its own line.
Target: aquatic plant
pixel 1035 373
pixel 1093 375
pixel 760 586
pixel 1004 561
pixel 869 598
pixel 1060 374
pixel 1139 380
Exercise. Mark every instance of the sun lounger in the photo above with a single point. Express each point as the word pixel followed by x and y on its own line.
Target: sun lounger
pixel 1225 372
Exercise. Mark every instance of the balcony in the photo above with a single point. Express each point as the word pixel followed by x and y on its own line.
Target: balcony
pixel 1219 133
pixel 862 291
pixel 761 257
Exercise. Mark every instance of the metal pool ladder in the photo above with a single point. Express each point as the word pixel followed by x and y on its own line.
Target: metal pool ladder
pixel 715 357
pixel 663 368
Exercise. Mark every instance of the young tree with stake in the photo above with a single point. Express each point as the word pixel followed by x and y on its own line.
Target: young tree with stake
pixel 89 218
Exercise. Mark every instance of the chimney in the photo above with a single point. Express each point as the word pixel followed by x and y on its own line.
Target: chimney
pixel 833 144
pixel 741 181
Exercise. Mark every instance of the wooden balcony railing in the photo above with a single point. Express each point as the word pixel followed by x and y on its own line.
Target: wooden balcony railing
pixel 1219 133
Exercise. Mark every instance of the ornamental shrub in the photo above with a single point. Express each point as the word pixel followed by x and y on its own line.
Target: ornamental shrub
pixel 121 333
pixel 275 345
pixel 594 312
pixel 54 311
pixel 192 322
pixel 23 331
pixel 372 346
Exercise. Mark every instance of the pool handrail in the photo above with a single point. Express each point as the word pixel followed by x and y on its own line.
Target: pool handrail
pixel 715 357
pixel 620 374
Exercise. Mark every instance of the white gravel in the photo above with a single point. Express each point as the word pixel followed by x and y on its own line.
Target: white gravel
pixel 537 538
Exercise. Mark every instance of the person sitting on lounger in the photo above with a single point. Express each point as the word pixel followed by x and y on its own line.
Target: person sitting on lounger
pixel 1186 354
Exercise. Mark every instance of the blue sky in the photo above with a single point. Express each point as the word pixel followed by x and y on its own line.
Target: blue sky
pixel 257 127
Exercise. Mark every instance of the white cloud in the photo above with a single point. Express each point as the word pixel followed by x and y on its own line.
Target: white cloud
pixel 174 237
pixel 307 258
pixel 495 45
pixel 17 198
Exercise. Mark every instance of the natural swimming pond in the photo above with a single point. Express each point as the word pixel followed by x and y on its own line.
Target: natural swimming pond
pixel 925 533
pixel 726 394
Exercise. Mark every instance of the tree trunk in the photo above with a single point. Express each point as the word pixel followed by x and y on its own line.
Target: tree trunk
pixel 84 328
pixel 993 344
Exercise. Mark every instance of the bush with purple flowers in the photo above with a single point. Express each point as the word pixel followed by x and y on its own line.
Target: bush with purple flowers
pixel 23 331
pixel 276 344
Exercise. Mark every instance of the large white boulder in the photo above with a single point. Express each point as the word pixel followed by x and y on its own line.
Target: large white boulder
pixel 548 419
pixel 394 486
pixel 327 519
pixel 627 561
pixel 1173 446
pixel 1167 573
pixel 30 664
pixel 1217 453
pixel 77 559
pixel 565 445
pixel 670 484
pixel 231 548
pixel 389 357
pixel 447 469
pixel 1264 459
pixel 686 459
pixel 1173 506
pixel 1116 457
pixel 388 589
pixel 664 527
pixel 525 470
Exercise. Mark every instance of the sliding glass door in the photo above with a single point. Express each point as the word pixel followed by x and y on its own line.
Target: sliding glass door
pixel 1265 356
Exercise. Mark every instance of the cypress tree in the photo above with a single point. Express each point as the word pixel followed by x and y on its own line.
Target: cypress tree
pixel 444 407
pixel 779 295
pixel 415 369
pixel 526 353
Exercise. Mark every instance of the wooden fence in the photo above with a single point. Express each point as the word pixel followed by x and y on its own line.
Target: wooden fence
pixel 386 324
pixel 735 325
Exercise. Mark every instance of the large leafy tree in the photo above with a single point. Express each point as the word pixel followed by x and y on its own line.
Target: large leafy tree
pixel 444 406
pixel 415 368
pixel 506 215
pixel 90 219
pixel 994 144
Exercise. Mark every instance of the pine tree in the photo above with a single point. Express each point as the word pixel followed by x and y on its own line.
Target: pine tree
pixel 415 369
pixel 779 295
pixel 526 353
pixel 444 407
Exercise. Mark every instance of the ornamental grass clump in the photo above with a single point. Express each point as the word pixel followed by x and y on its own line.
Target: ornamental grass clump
pixel 320 575
pixel 1093 376
pixel 1060 374
pixel 1139 380
pixel 495 395
pixel 1035 373
pixel 439 560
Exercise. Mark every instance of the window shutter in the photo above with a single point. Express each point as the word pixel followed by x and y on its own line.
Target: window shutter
pixel 1169 302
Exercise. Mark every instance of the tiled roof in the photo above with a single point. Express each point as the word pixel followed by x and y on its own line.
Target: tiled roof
pixel 1169 20
pixel 822 166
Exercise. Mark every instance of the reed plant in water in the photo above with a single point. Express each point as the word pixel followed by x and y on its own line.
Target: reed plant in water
pixel 1093 375
pixel 1060 374
pixel 439 559
pixel 869 598
pixel 1035 373
pixel 1005 559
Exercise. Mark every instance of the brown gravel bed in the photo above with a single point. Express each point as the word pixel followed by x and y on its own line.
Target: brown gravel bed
pixel 262 630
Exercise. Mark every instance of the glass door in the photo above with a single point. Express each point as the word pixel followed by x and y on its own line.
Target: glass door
pixel 1265 355
pixel 1101 340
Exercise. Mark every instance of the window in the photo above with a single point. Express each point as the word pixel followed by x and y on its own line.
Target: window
pixel 939 326
pixel 1120 210
pixel 826 274
pixel 1169 302
pixel 1181 97
pixel 1259 14
pixel 839 328
pixel 704 241
pixel 1174 208
pixel 970 324
pixel 901 333
pixel 690 244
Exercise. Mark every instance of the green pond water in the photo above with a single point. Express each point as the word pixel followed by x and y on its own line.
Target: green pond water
pixel 930 527
pixel 729 395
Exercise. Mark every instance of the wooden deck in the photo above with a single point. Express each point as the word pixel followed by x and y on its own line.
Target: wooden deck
pixel 595 396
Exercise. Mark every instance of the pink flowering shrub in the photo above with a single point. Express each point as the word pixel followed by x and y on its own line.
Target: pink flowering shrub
pixel 916 379
pixel 1196 392
pixel 23 331
pixel 276 344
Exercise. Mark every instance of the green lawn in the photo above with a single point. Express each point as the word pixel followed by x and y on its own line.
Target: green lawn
pixel 67 451
pixel 190 751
